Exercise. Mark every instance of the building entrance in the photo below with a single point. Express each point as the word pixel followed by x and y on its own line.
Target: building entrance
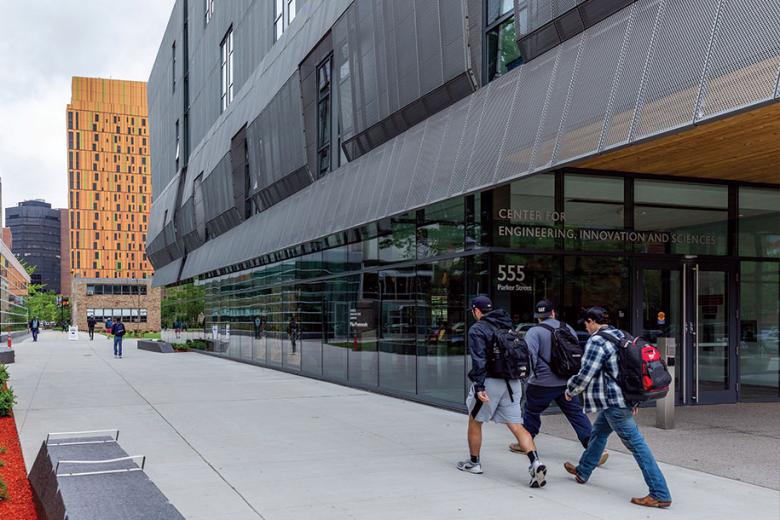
pixel 690 306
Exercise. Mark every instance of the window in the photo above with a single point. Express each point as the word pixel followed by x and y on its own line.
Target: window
pixel 324 116
pixel 500 38
pixel 283 15
pixel 226 50
pixel 173 67
pixel 209 10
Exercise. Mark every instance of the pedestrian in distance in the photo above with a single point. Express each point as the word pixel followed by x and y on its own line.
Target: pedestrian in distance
pixel 494 398
pixel 556 356
pixel 292 332
pixel 598 380
pixel 109 324
pixel 118 330
pixel 91 322
pixel 35 327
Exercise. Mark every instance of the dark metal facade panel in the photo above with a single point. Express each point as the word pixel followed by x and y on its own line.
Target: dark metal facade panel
pixel 432 138
pixel 454 122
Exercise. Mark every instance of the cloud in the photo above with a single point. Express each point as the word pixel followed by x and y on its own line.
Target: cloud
pixel 43 43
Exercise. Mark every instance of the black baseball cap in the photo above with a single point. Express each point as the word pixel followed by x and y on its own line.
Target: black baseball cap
pixel 597 314
pixel 544 309
pixel 482 303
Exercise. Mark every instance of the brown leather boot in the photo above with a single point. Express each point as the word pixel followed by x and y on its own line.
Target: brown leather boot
pixel 572 469
pixel 649 501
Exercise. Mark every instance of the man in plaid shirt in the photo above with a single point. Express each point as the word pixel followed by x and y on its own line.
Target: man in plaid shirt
pixel 597 379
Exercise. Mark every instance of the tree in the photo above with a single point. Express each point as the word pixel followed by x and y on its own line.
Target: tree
pixel 42 304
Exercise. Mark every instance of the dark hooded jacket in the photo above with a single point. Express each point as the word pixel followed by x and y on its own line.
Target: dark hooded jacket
pixel 480 338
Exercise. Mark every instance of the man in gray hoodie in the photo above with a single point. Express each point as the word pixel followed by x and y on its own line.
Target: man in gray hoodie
pixel 544 385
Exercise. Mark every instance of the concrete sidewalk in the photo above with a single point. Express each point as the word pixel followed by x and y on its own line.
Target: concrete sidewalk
pixel 226 440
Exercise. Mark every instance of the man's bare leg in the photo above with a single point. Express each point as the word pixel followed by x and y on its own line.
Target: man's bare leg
pixel 475 437
pixel 537 470
pixel 524 438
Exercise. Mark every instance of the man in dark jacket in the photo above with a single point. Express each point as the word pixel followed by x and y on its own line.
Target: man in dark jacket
pixel 492 398
pixel 35 327
pixel 91 322
pixel 118 330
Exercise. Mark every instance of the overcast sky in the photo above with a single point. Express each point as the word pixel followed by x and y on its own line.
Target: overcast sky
pixel 43 43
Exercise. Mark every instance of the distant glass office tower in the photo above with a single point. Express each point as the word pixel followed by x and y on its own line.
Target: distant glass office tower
pixel 35 232
pixel 109 196
pixel 335 180
pixel 109 178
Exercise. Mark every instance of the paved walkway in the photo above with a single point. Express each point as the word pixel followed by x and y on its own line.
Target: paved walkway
pixel 226 440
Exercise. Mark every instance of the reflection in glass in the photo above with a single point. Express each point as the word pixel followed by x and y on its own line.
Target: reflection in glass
pixel 519 281
pixel 441 230
pixel 759 222
pixel 593 203
pixel 759 347
pixel 343 325
pixel 503 54
pixel 712 331
pixel 687 218
pixel 310 324
pixel 522 206
pixel 399 303
pixel 594 280
pixel 441 330
pixel 363 356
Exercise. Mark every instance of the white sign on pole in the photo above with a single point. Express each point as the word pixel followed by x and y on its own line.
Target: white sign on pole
pixel 73 333
pixel 214 332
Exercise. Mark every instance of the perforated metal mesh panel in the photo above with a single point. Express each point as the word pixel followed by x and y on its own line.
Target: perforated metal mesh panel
pixel 647 70
pixel 744 63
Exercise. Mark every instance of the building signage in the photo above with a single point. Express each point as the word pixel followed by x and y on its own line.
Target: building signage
pixel 587 234
pixel 511 278
pixel 356 319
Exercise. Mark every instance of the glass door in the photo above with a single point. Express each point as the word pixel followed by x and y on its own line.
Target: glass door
pixel 659 312
pixel 688 308
pixel 712 331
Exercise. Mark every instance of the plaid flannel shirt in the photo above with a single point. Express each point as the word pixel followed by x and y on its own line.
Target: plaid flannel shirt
pixel 597 375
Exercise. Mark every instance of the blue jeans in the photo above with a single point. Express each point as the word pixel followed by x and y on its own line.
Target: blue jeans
pixel 621 421
pixel 538 399
pixel 117 345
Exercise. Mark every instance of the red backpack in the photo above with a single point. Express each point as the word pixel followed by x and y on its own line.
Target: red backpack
pixel 642 373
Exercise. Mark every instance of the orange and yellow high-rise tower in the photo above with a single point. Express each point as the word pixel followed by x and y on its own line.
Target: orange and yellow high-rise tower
pixel 109 178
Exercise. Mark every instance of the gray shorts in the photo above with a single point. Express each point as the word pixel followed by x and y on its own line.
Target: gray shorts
pixel 501 408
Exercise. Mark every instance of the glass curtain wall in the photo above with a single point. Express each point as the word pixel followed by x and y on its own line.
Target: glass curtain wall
pixel 386 305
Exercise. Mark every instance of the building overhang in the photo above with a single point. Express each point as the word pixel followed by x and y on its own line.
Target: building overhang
pixel 742 147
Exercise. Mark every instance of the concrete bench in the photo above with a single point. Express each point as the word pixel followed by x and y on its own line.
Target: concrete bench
pixel 7 355
pixel 155 346
pixel 85 477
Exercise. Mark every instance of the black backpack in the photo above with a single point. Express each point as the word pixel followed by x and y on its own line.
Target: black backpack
pixel 642 372
pixel 565 351
pixel 507 355
pixel 120 329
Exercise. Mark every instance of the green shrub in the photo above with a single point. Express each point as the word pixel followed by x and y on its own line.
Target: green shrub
pixel 3 374
pixel 3 490
pixel 7 401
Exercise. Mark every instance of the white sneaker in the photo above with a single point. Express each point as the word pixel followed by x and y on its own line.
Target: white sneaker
pixel 471 467
pixel 538 473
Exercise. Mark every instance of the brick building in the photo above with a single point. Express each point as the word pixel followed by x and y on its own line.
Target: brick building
pixel 134 300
